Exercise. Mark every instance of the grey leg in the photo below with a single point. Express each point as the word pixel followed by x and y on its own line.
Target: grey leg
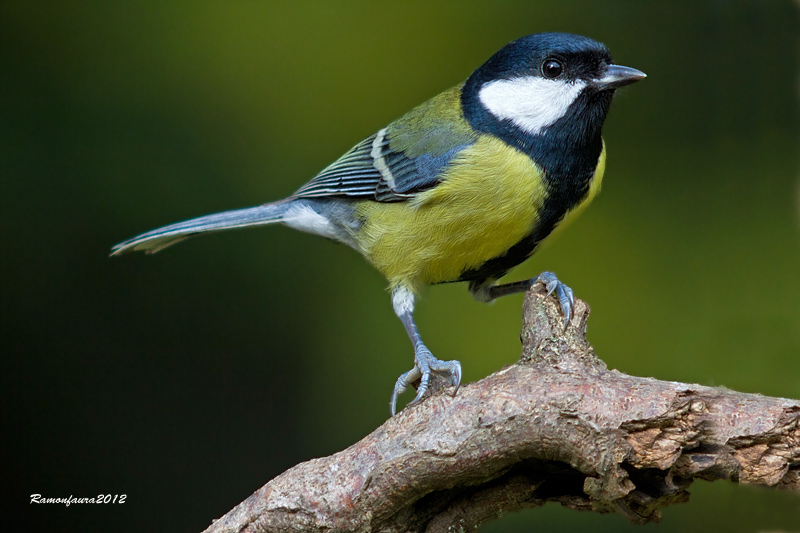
pixel 424 362
pixel 486 291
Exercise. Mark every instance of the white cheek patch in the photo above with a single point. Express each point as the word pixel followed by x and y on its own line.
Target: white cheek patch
pixel 530 103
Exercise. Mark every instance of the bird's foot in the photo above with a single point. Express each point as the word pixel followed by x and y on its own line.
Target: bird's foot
pixel 566 298
pixel 425 365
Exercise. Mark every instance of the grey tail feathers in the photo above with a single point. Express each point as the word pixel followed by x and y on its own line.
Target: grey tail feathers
pixel 158 239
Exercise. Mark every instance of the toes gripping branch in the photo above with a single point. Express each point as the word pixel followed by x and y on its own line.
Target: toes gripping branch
pixel 566 298
pixel 425 364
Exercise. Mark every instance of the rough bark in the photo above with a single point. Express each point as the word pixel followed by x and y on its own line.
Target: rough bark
pixel 556 426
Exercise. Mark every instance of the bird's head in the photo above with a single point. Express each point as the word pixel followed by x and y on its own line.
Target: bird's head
pixel 536 81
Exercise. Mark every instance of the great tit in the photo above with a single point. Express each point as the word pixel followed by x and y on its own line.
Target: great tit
pixel 463 187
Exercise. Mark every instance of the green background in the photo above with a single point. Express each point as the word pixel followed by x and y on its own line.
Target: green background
pixel 188 379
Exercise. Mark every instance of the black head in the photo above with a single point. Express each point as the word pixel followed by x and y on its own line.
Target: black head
pixel 547 84
pixel 556 56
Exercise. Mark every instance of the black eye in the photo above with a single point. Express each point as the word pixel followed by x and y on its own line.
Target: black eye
pixel 551 68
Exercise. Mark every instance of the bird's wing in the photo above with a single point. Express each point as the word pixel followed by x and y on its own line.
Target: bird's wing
pixel 401 160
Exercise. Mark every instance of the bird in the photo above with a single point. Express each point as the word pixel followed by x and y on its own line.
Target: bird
pixel 462 188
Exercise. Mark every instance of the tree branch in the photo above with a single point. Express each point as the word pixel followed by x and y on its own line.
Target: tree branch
pixel 556 426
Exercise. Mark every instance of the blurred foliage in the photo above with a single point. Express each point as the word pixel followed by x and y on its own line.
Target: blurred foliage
pixel 188 379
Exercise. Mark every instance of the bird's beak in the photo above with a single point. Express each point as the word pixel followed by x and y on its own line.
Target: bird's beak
pixel 616 76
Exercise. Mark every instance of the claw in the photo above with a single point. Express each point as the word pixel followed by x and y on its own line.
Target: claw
pixel 425 364
pixel 424 383
pixel 401 385
pixel 455 376
pixel 566 298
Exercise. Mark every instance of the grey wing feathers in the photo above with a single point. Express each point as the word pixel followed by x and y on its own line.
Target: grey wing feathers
pixel 410 155
pixel 160 238
pixel 373 170
pixel 353 174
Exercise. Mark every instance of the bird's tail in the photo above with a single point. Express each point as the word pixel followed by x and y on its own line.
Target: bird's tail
pixel 158 239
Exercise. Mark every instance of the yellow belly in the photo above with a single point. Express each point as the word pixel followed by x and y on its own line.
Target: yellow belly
pixel 488 201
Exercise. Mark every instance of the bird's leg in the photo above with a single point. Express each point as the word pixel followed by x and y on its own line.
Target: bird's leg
pixel 424 362
pixel 485 291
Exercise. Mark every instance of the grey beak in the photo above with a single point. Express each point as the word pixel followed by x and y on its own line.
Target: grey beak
pixel 616 76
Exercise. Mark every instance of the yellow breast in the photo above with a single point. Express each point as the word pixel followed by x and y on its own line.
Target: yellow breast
pixel 488 201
